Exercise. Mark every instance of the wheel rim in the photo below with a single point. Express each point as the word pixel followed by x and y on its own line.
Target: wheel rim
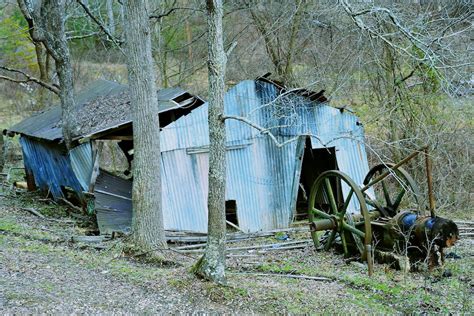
pixel 336 209
pixel 393 189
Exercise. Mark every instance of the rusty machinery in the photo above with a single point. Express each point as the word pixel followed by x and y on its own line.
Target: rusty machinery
pixel 382 226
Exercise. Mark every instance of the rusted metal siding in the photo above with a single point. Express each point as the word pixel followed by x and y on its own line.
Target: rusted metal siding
pixel 260 175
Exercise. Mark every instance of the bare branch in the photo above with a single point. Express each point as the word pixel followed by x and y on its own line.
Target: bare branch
pixel 167 13
pixel 28 78
pixel 76 37
pixel 99 23
pixel 266 131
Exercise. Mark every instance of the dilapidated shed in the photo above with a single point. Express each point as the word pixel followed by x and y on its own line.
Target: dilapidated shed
pixel 278 142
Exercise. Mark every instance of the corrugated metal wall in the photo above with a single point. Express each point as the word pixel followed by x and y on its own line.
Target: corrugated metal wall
pixel 50 166
pixel 82 163
pixel 260 175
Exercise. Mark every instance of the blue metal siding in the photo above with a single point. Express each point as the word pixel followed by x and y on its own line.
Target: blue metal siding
pixel 82 163
pixel 260 175
pixel 50 166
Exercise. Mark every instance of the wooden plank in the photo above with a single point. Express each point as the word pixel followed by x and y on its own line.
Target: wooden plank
pixel 300 146
pixel 117 137
pixel 235 226
pixel 112 194
pixel 96 150
pixel 268 247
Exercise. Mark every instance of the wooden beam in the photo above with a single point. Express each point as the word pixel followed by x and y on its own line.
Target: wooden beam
pixel 116 137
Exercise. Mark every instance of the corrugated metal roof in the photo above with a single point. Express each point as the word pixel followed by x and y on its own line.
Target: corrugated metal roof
pixel 104 104
pixel 47 124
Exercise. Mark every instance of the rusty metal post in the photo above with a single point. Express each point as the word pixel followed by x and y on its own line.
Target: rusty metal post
pixel 429 177
pixel 386 173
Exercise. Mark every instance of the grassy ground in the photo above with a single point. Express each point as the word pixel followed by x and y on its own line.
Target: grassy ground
pixel 41 270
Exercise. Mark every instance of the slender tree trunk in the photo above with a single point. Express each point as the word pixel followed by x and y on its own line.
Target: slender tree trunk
pixel 147 222
pixel 212 265
pixel 41 58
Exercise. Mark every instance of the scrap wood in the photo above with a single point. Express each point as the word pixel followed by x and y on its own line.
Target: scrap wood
pixel 271 246
pixel 21 184
pixel 464 222
pixel 89 239
pixel 292 276
pixel 233 225
pixel 193 237
pixel 267 247
pixel 269 232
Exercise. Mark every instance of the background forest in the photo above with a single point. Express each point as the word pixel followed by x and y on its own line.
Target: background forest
pixel 404 67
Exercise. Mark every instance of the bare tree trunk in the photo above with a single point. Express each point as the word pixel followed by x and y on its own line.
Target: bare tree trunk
pixel 46 25
pixel 2 157
pixel 54 16
pixel 212 265
pixel 147 222
pixel 110 16
pixel 41 58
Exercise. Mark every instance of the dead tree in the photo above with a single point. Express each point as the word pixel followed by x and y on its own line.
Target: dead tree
pixel 147 222
pixel 212 265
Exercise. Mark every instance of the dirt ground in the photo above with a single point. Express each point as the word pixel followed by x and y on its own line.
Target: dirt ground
pixel 43 271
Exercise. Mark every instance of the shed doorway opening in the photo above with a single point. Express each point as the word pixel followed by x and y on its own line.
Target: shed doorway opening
pixel 231 214
pixel 315 162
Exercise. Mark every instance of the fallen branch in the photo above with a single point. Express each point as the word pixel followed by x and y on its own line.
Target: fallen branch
pixel 292 276
pixel 37 213
pixel 33 211
pixel 89 239
pixel 77 208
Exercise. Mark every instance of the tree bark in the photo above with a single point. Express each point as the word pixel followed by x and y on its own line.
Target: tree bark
pixel 46 25
pixel 212 265
pixel 41 60
pixel 147 222
pixel 110 16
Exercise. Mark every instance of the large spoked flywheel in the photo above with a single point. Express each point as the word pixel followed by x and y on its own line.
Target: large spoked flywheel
pixel 330 211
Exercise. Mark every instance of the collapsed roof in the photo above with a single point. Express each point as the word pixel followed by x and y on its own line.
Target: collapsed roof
pixel 103 106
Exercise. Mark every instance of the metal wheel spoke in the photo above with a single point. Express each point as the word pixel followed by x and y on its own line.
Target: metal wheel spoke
pixel 344 243
pixel 321 214
pixel 332 200
pixel 338 211
pixel 399 198
pixel 330 240
pixel 386 194
pixel 347 201
pixel 353 230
